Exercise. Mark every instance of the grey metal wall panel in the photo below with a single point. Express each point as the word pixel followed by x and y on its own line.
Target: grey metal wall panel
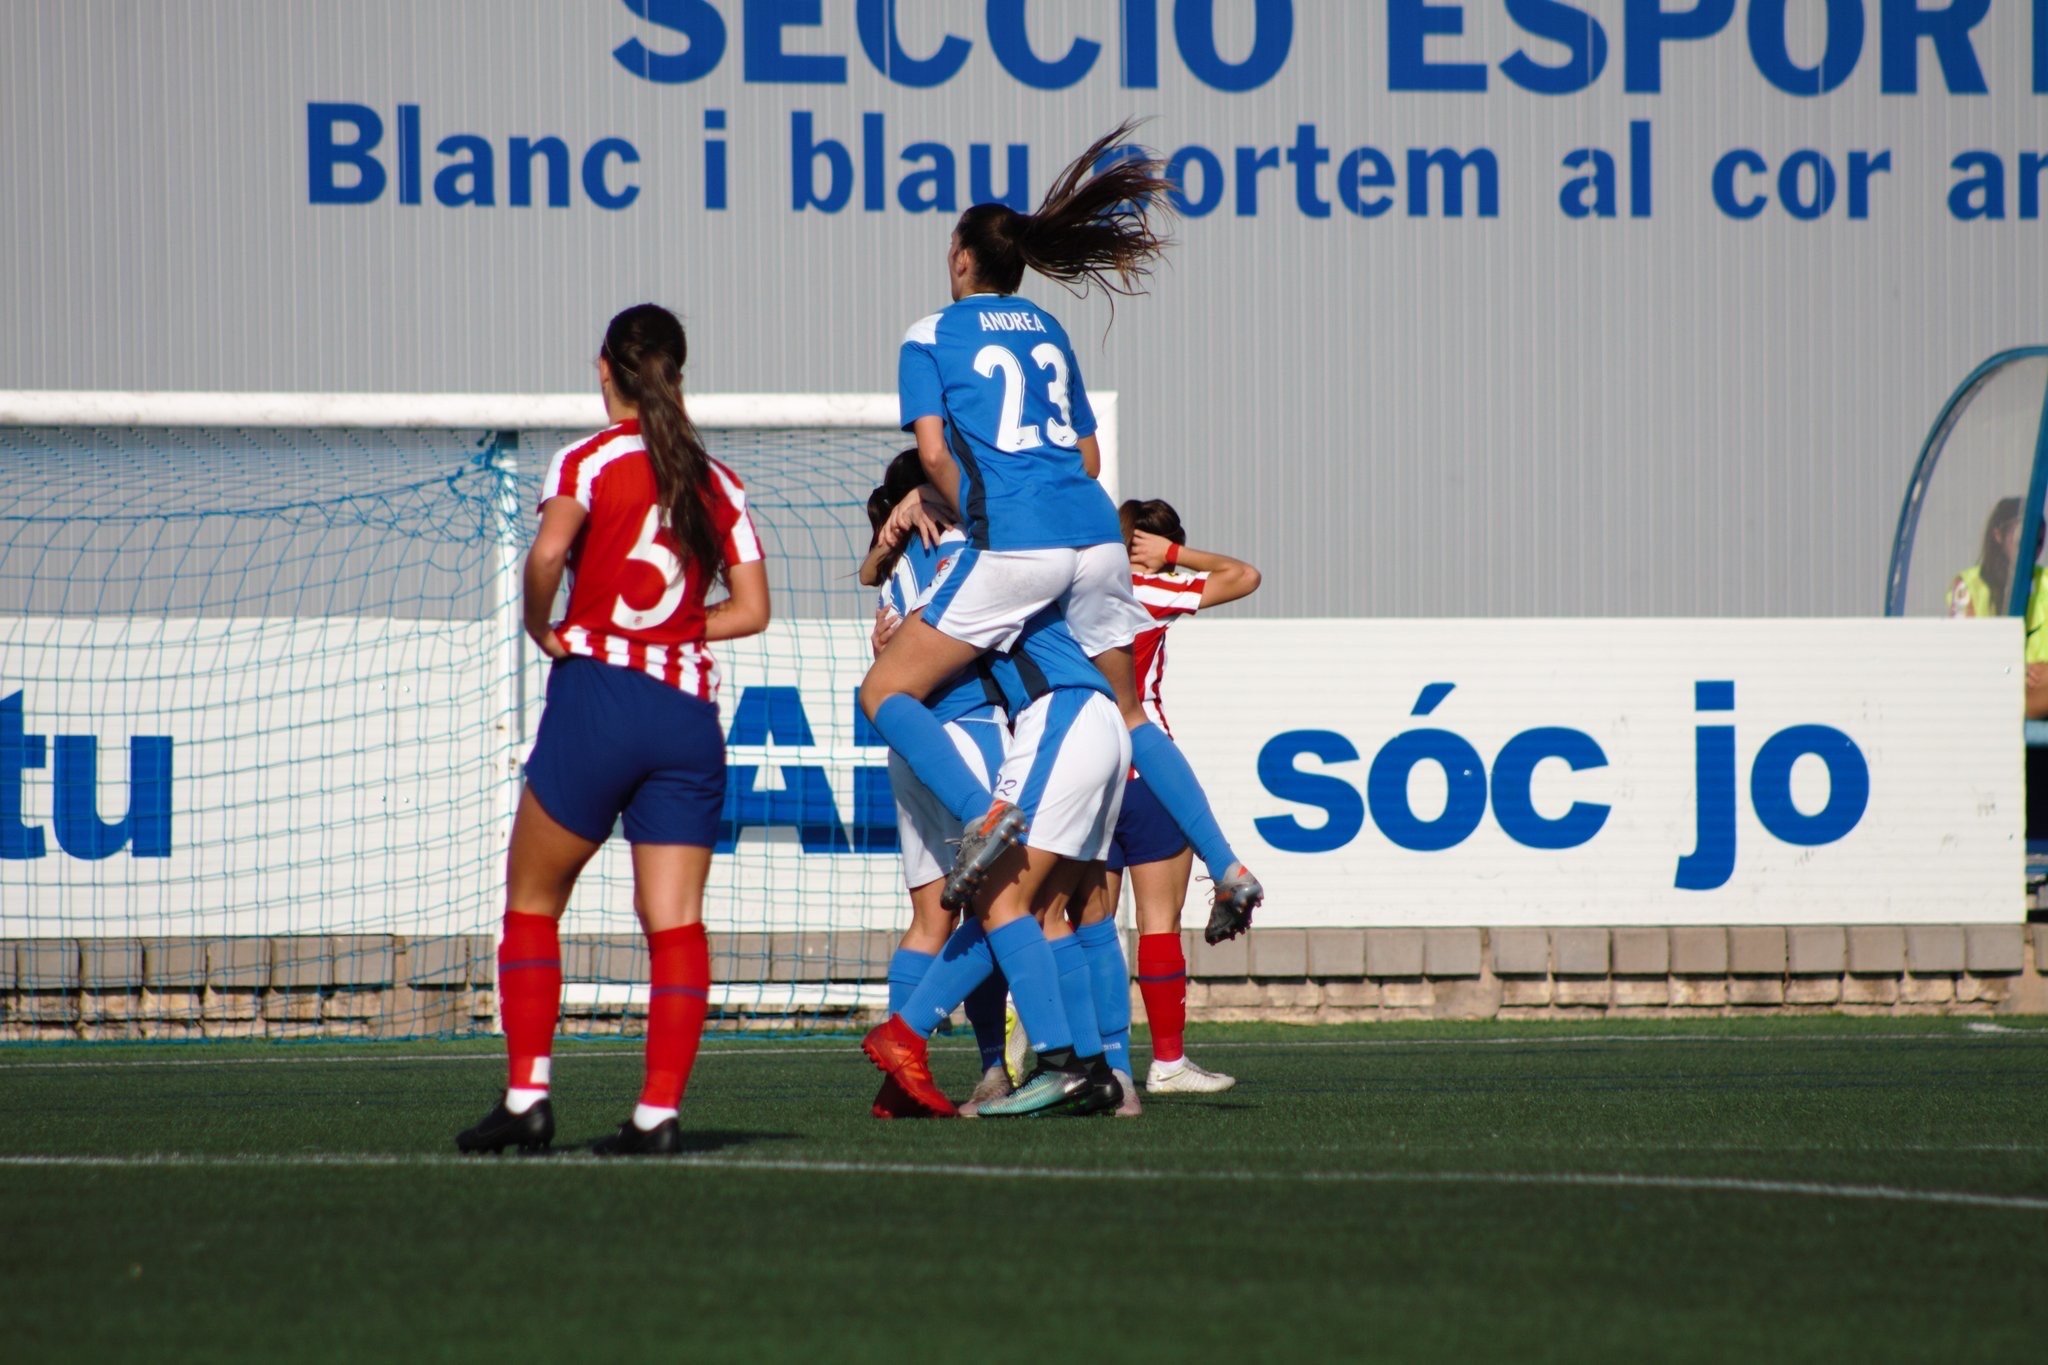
pixel 1516 415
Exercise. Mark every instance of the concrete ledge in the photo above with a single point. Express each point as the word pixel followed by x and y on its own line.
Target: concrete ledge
pixel 1934 948
pixel 1994 949
pixel 1451 953
pixel 454 960
pixel 1393 953
pixel 238 963
pixel 1642 952
pixel 1877 950
pixel 1279 953
pixel 1520 952
pixel 372 985
pixel 1230 959
pixel 1579 952
pixel 1756 951
pixel 361 961
pixel 1699 951
pixel 1336 953
pixel 1816 950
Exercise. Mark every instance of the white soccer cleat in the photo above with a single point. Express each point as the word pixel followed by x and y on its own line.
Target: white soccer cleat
pixel 1183 1077
pixel 1130 1108
pixel 994 1085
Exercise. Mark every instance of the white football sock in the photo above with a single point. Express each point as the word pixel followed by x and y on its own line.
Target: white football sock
pixel 648 1117
pixel 519 1099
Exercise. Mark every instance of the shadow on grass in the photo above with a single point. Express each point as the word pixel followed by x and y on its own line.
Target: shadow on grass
pixel 696 1142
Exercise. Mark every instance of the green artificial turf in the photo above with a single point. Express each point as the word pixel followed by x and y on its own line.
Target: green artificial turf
pixel 1751 1188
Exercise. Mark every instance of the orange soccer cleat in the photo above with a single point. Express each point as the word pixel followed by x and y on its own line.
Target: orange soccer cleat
pixel 893 1102
pixel 901 1054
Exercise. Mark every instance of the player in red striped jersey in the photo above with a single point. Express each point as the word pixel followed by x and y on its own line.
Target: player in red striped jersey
pixel 1172 582
pixel 648 522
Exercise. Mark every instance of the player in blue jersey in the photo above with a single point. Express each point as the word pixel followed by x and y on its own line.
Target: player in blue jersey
pixel 1065 771
pixel 994 396
pixel 970 705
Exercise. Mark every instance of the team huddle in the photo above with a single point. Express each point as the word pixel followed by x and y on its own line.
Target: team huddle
pixel 1020 653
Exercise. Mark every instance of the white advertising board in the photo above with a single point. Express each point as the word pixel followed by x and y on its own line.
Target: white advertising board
pixel 1612 772
pixel 354 776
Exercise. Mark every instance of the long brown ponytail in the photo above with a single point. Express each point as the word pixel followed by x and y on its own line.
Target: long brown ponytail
pixel 645 347
pixel 1098 224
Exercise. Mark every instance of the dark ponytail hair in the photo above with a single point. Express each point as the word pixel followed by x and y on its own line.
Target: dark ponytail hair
pixel 1095 225
pixel 645 347
pixel 904 476
pixel 1155 516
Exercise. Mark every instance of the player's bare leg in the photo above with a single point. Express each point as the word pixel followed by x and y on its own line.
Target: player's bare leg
pixel 668 896
pixel 540 871
pixel 1236 892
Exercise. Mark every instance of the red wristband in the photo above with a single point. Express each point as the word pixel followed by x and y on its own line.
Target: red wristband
pixel 1172 553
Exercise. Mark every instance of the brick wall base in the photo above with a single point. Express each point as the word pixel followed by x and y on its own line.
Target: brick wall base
pixel 380 986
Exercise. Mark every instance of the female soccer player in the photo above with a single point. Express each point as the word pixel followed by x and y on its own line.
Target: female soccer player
pixel 1065 770
pixel 647 521
pixel 1172 582
pixel 970 705
pixel 994 396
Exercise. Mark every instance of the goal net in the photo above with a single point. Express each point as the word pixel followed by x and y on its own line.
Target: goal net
pixel 264 701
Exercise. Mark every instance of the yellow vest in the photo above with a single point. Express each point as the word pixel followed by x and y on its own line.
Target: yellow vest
pixel 1970 595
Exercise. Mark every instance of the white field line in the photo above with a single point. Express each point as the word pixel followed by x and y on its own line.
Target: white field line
pixel 312 1057
pixel 1890 1194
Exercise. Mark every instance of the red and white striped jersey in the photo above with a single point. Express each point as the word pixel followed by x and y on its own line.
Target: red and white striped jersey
pixel 1169 596
pixel 631 601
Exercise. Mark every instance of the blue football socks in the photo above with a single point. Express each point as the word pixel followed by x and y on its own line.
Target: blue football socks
pixel 1166 772
pixel 964 963
pixel 1110 975
pixel 985 1011
pixel 906 969
pixel 1077 995
pixel 1026 959
pixel 914 732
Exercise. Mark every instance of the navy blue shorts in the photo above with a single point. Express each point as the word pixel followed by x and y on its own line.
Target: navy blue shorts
pixel 616 742
pixel 1145 833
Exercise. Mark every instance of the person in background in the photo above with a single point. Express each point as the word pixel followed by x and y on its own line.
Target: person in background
pixel 1984 589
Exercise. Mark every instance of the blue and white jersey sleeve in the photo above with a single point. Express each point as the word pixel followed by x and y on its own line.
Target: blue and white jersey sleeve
pixel 919 389
pixel 916 576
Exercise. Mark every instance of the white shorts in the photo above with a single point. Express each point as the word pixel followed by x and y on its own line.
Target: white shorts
pixel 924 827
pixel 1069 755
pixel 985 598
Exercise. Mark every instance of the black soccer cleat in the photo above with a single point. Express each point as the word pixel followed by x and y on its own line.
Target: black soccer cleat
pixel 1237 893
pixel 1101 1095
pixel 531 1131
pixel 663 1139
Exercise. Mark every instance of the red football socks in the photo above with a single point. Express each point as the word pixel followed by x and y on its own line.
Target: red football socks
pixel 675 1013
pixel 529 995
pixel 1163 982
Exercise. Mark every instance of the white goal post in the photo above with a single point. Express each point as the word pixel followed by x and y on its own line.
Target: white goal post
pixel 296 614
pixel 468 411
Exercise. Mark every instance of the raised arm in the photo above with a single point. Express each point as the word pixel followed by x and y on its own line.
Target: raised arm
pixel 1228 579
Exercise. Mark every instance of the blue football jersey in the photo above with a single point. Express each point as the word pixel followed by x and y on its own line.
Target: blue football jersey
pixel 1000 371
pixel 1046 658
pixel 969 693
